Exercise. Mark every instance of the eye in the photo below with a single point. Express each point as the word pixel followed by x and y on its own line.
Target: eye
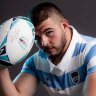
pixel 49 33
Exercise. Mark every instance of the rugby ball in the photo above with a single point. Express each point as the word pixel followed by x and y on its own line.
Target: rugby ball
pixel 16 40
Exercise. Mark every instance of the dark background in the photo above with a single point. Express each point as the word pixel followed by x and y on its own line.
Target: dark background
pixel 80 13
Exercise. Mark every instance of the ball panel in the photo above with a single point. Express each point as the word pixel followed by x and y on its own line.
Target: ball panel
pixel 4 29
pixel 5 58
pixel 4 41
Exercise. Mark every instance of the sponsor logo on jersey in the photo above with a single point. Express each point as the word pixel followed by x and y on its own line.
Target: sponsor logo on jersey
pixel 75 76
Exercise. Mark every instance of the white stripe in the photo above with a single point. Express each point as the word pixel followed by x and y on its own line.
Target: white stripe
pixel 92 62
pixel 88 47
pixel 75 62
pixel 41 63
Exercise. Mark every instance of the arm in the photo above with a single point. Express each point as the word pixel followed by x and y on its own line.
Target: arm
pixel 23 86
pixel 7 88
pixel 26 84
pixel 90 85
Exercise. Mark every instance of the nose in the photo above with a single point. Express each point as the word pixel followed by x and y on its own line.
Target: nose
pixel 44 41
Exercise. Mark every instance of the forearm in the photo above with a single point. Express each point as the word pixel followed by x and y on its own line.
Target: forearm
pixel 7 88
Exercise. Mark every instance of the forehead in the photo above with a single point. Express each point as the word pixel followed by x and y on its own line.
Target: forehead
pixel 48 23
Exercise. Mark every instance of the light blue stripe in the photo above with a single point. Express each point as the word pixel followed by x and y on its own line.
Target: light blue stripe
pixel 78 49
pixel 82 72
pixel 4 58
pixel 31 67
pixel 4 41
pixel 42 55
pixel 91 53
pixel 92 69
pixel 13 23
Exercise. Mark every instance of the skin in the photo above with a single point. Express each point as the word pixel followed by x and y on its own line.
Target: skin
pixel 51 35
pixel 24 85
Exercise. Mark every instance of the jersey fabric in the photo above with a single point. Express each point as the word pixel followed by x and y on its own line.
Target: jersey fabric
pixel 67 78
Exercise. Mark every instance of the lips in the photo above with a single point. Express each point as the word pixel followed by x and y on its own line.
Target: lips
pixel 48 50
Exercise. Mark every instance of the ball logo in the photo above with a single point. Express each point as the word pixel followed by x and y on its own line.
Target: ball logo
pixel 23 42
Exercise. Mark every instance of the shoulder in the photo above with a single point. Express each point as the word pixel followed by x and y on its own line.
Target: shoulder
pixel 90 46
pixel 37 56
pixel 86 43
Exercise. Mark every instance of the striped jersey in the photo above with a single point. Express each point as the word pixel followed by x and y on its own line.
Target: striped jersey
pixel 67 78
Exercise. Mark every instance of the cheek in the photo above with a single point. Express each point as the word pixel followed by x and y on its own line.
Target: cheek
pixel 59 40
pixel 55 41
pixel 57 37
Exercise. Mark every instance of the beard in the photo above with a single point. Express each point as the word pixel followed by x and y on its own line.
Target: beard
pixel 60 50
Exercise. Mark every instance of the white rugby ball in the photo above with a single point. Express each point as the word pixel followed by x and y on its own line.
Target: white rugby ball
pixel 16 40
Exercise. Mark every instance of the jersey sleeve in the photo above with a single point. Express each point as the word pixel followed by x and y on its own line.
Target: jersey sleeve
pixel 29 66
pixel 90 58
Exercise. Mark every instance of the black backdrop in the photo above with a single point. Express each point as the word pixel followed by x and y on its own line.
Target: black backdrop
pixel 80 14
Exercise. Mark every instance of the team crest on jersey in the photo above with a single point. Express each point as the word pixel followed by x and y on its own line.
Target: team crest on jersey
pixel 75 76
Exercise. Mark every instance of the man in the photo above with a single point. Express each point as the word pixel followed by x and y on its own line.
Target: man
pixel 65 62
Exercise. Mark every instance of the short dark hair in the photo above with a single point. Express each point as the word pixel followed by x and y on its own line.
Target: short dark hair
pixel 42 11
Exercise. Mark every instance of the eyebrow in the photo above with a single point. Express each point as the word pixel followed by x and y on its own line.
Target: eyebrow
pixel 44 30
pixel 47 29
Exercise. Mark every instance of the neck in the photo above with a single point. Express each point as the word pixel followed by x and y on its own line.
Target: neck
pixel 56 59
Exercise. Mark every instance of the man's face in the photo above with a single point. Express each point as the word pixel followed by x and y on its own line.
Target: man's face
pixel 50 37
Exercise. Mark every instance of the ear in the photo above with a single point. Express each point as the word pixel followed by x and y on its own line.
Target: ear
pixel 65 24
